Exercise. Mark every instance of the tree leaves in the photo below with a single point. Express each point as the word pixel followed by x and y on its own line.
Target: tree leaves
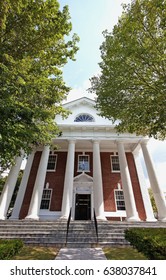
pixel 33 51
pixel 132 84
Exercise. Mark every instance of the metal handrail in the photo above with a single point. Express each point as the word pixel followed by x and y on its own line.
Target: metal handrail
pixel 68 224
pixel 96 226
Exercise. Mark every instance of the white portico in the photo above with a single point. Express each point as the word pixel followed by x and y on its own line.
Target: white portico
pixel 92 168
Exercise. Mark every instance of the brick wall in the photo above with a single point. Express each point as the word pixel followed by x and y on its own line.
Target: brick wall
pixel 56 181
pixel 110 181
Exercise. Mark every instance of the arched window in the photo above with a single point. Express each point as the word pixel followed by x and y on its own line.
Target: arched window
pixel 84 118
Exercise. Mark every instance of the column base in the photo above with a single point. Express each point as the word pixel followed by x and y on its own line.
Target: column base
pixel 163 220
pixel 32 217
pixel 101 218
pixel 63 218
pixel 3 218
pixel 151 220
pixel 133 219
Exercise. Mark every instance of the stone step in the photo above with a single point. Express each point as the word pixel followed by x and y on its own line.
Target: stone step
pixel 2 235
pixel 130 224
pixel 81 233
pixel 81 245
pixel 42 231
pixel 32 227
pixel 40 240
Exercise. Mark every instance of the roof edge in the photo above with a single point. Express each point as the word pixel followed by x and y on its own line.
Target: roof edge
pixel 73 102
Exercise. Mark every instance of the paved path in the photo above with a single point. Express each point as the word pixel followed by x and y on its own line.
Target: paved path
pixel 81 254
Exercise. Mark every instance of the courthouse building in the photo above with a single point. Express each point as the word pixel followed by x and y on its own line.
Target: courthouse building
pixel 89 167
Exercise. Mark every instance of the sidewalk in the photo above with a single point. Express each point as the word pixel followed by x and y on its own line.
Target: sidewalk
pixel 81 254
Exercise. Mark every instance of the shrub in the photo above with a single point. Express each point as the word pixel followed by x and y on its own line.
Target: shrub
pixel 150 241
pixel 8 248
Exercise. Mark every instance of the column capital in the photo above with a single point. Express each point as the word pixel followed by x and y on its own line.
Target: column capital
pixel 120 141
pixel 136 151
pixel 72 141
pixel 95 141
pixel 144 142
pixel 46 147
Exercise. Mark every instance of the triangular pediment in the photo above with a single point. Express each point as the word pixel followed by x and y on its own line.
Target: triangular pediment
pixel 83 178
pixel 82 110
pixel 80 101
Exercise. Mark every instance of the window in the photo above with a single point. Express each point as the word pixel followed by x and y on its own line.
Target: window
pixel 46 198
pixel 119 198
pixel 115 164
pixel 84 118
pixel 83 163
pixel 51 166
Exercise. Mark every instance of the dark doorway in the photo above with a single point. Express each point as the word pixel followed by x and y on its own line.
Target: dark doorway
pixel 83 207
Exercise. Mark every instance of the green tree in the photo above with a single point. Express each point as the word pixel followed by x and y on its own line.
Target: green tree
pixel 132 84
pixel 33 50
pixel 153 201
pixel 2 183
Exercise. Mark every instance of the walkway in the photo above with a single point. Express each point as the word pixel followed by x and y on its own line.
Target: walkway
pixel 81 254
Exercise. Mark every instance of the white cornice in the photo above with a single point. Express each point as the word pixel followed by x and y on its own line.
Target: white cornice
pixel 82 100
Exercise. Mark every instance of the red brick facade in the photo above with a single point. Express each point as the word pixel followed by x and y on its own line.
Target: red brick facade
pixel 110 181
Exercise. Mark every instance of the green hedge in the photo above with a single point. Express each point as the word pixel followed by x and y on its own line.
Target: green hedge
pixel 150 241
pixel 8 248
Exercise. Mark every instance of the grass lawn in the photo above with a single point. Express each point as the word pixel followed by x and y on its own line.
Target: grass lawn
pixel 127 253
pixel 49 253
pixel 36 253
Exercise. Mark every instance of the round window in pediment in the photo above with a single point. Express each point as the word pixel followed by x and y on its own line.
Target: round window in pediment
pixel 84 118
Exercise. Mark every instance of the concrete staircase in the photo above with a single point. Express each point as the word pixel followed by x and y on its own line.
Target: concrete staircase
pixel 46 233
pixel 81 233
pixel 112 234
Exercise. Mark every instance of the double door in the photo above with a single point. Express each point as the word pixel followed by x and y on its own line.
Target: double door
pixel 83 207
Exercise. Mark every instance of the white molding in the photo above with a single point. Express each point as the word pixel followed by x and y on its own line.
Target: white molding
pixel 49 189
pixel 49 215
pixel 83 155
pixel 115 214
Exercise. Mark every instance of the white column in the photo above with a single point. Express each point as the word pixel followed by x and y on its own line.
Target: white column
pixel 22 188
pixel 144 190
pixel 157 192
pixel 34 207
pixel 68 183
pixel 131 211
pixel 9 187
pixel 97 182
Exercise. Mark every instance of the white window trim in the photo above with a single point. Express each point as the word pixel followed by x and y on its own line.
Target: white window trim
pixel 53 170
pixel 78 170
pixel 82 114
pixel 117 210
pixel 112 170
pixel 47 199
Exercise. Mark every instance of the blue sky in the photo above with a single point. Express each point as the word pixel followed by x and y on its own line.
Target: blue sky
pixel 89 19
